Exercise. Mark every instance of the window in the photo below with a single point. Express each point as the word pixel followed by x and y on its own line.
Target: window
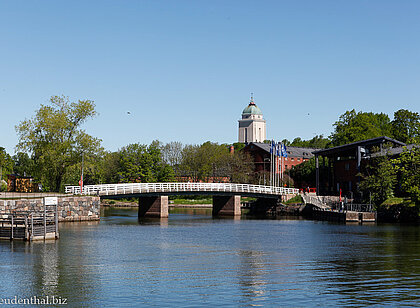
pixel 347 166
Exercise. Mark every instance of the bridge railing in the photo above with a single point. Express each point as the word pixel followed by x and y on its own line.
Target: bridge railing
pixel 138 188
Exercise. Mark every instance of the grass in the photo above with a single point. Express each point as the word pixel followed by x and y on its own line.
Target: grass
pixel 295 200
pixel 203 200
pixel 395 201
pixel 192 201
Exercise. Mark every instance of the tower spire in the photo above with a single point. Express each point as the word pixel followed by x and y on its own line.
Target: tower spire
pixel 252 98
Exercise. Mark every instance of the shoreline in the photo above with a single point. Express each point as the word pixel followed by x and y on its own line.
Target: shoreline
pixel 133 205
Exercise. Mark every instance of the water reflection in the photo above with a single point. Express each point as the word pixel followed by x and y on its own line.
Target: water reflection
pixel 197 260
pixel 383 262
pixel 251 276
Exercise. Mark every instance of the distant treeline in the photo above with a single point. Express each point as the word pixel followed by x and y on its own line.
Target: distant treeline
pixel 52 148
pixel 355 126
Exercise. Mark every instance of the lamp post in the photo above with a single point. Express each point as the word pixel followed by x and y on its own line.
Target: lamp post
pixel 81 177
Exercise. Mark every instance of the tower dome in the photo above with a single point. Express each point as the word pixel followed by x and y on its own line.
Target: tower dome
pixel 252 125
pixel 252 109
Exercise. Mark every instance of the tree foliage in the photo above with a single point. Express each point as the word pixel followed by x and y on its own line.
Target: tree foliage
pixel 172 153
pixel 143 164
pixel 378 180
pixel 6 163
pixel 199 162
pixel 24 165
pixel 408 167
pixel 317 142
pixel 406 126
pixel 55 139
pixel 304 173
pixel 355 126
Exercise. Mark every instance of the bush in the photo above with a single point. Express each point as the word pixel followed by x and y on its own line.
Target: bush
pixel 3 185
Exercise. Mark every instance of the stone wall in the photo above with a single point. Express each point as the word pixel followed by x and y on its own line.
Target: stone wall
pixel 69 208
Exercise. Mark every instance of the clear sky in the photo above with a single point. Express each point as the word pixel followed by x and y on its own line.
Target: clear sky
pixel 185 69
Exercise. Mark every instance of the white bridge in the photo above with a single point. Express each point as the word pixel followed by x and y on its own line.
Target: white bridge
pixel 138 189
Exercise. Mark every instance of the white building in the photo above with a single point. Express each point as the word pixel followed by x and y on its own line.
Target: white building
pixel 252 124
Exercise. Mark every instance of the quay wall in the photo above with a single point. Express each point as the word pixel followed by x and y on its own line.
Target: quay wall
pixel 69 208
pixel 349 216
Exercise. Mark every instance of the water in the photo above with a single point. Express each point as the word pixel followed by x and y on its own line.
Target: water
pixel 192 260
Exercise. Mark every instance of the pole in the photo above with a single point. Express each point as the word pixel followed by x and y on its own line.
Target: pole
pixel 45 220
pixel 271 163
pixel 56 220
pixel 81 177
pixel 277 172
pixel 281 162
pixel 281 165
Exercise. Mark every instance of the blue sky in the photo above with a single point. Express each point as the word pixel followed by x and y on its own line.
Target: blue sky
pixel 185 69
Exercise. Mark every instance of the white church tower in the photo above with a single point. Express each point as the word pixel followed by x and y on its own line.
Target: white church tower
pixel 252 124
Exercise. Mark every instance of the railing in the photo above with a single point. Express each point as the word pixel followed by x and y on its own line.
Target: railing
pixel 28 225
pixel 140 188
pixel 353 207
pixel 315 200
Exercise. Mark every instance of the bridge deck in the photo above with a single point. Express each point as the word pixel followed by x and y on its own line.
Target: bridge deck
pixel 134 189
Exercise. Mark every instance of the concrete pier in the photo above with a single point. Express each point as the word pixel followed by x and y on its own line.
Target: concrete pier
pixel 153 206
pixel 227 205
pixel 349 216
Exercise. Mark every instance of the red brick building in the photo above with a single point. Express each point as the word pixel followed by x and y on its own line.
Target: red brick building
pixel 260 152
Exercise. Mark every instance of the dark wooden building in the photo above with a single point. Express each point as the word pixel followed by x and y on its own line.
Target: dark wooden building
pixel 338 168
pixel 16 183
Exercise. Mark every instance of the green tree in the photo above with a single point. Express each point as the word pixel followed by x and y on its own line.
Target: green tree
pixel 199 162
pixel 55 139
pixel 238 146
pixel 241 168
pixel 6 163
pixel 24 165
pixel 304 174
pixel 286 142
pixel 406 126
pixel 352 127
pixel 109 166
pixel 143 164
pixel 408 167
pixel 378 180
pixel 317 142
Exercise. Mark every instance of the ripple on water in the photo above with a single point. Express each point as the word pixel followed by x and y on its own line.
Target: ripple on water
pixel 194 260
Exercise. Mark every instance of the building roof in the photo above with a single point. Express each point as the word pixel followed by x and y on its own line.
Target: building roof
pixel 291 151
pixel 394 151
pixel 367 142
pixel 252 109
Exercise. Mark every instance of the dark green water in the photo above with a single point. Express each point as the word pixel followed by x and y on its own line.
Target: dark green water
pixel 192 260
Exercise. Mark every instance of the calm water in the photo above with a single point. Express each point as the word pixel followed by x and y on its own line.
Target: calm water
pixel 192 260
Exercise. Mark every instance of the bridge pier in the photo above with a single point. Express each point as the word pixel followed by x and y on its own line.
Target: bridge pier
pixel 153 206
pixel 264 207
pixel 227 205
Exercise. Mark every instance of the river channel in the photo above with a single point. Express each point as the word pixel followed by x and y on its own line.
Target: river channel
pixel 192 260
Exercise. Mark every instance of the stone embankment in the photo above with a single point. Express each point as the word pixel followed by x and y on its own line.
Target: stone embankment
pixel 69 208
